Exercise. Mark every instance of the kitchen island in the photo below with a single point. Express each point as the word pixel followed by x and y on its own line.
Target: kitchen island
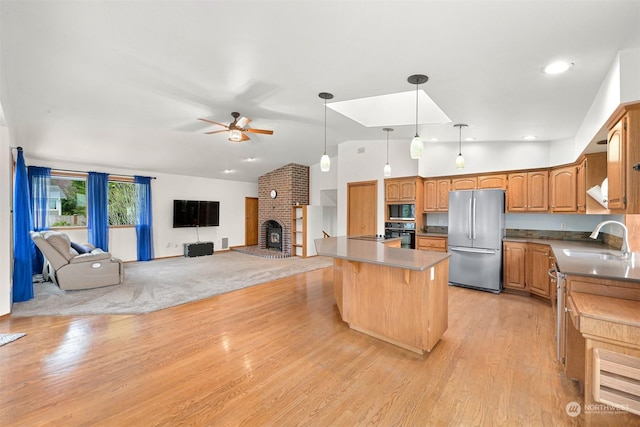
pixel 394 294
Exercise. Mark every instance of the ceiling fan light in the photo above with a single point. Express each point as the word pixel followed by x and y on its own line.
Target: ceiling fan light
pixel 235 135
pixel 417 147
pixel 459 162
pixel 387 170
pixel 325 163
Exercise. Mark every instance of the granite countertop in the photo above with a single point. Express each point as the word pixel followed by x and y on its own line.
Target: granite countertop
pixel 375 253
pixel 591 259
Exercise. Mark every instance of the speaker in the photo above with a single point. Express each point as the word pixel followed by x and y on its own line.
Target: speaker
pixel 198 249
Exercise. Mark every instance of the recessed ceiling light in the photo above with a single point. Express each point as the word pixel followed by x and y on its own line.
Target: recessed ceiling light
pixel 250 159
pixel 433 139
pixel 469 139
pixel 529 137
pixel 228 170
pixel 558 67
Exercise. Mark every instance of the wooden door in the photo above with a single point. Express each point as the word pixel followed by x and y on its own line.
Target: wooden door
pixel 581 186
pixel 443 195
pixel 392 191
pixel 538 280
pixel 250 221
pixel 562 184
pixel 408 190
pixel 465 183
pixel 615 166
pixel 362 208
pixel 430 195
pixel 517 192
pixel 492 181
pixel 514 265
pixel 538 191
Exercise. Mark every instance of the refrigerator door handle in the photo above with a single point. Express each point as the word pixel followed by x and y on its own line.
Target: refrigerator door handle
pixel 473 209
pixel 469 219
pixel 473 250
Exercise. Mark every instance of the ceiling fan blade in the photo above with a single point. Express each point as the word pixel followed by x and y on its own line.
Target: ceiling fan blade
pixel 216 131
pixel 264 131
pixel 214 123
pixel 245 137
pixel 243 122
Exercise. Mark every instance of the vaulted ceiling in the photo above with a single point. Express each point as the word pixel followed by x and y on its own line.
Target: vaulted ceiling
pixel 122 83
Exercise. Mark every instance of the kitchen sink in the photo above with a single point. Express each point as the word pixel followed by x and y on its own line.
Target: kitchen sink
pixel 606 256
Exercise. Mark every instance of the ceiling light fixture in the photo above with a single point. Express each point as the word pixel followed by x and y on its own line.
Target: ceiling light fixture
pixel 325 161
pixel 417 144
pixel 235 135
pixel 558 67
pixel 387 167
pixel 529 137
pixel 460 159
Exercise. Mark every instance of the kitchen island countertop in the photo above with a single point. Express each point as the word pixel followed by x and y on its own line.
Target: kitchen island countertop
pixel 365 251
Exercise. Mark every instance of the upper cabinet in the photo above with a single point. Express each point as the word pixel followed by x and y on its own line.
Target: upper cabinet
pixel 493 181
pixel 436 195
pixel 623 153
pixel 464 183
pixel 563 189
pixel 400 189
pixel 528 191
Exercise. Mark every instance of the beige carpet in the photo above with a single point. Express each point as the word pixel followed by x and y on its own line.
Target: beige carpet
pixel 163 283
pixel 7 338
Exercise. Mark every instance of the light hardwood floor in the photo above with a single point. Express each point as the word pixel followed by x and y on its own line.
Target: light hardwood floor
pixel 278 354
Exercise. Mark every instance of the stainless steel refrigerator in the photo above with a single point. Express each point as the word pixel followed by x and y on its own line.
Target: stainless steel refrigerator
pixel 476 229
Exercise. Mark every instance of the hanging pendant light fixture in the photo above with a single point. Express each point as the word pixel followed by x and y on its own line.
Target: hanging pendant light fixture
pixel 417 144
pixel 460 159
pixel 387 167
pixel 325 161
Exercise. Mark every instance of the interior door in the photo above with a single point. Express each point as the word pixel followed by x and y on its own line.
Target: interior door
pixel 250 221
pixel 362 208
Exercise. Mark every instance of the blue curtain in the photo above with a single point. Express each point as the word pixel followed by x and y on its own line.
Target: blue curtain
pixel 39 181
pixel 144 219
pixel 98 213
pixel 22 224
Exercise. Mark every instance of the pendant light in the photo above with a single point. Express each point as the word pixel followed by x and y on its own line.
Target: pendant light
pixel 325 161
pixel 460 159
pixel 417 144
pixel 387 168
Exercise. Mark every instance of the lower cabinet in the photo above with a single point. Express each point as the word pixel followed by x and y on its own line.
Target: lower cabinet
pixel 526 267
pixel 431 243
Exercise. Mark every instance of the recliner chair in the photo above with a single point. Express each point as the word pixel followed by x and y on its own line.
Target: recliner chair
pixel 72 270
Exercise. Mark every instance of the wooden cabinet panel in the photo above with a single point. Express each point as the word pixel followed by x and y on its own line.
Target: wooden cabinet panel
pixel 430 243
pixel 528 192
pixel 616 173
pixel 436 195
pixel 401 190
pixel 464 183
pixel 514 265
pixel 537 268
pixel 492 181
pixel 391 191
pixel 581 186
pixel 563 186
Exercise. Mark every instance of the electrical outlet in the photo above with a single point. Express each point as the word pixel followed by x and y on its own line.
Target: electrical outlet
pixel 563 226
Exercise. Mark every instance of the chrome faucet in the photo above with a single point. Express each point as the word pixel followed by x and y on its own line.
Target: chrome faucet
pixel 625 237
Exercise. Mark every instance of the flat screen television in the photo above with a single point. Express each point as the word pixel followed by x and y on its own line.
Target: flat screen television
pixel 195 213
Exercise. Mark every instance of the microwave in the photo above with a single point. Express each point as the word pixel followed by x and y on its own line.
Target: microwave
pixel 402 212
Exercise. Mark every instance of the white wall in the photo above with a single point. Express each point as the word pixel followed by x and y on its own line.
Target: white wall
pixel 165 188
pixel 6 226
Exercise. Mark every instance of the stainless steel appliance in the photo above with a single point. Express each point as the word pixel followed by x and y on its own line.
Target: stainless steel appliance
pixel 405 230
pixel 475 232
pixel 402 212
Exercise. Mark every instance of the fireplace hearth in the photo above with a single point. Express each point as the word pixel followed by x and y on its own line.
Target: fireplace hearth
pixel 274 235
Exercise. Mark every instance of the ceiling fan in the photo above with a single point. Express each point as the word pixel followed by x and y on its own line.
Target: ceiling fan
pixel 237 128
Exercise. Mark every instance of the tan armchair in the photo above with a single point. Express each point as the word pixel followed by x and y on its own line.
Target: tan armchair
pixel 72 270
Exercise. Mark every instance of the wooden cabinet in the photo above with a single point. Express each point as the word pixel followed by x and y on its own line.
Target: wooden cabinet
pixel 537 269
pixel 528 191
pixel 436 195
pixel 431 243
pixel 526 267
pixel 514 265
pixel 563 189
pixel 581 186
pixel 623 156
pixel 400 189
pixel 464 183
pixel 492 181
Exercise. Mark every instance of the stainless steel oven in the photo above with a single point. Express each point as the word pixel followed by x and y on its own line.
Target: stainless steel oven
pixel 405 230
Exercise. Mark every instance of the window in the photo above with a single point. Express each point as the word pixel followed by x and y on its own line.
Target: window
pixel 121 203
pixel 68 201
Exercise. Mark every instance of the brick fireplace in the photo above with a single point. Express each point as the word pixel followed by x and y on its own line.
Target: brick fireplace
pixel 291 184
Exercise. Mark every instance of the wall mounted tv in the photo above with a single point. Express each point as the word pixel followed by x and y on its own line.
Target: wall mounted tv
pixel 195 213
